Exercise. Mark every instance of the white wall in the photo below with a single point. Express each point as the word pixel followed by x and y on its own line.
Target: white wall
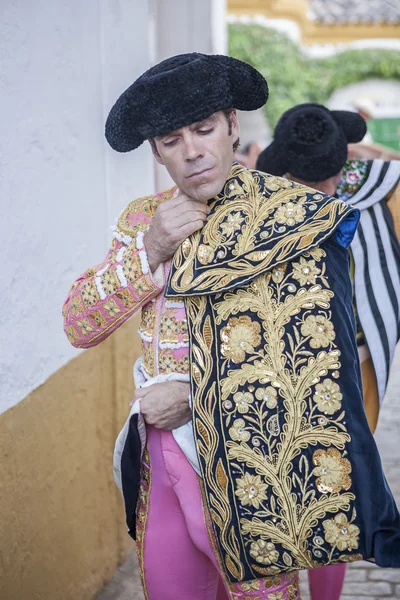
pixel 189 26
pixel 63 64
pixel 383 95
pixel 180 26
pixel 324 50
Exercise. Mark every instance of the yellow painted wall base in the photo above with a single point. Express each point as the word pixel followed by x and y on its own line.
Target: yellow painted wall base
pixel 62 530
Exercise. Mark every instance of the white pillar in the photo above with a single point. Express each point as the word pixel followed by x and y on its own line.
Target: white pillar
pixel 219 31
pixel 181 26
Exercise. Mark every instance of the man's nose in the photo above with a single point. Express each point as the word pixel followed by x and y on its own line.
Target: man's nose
pixel 192 148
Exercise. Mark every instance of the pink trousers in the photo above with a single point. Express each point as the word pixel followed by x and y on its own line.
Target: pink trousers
pixel 326 582
pixel 175 553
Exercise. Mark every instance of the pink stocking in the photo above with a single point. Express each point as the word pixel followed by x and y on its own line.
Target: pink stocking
pixel 222 594
pixel 326 582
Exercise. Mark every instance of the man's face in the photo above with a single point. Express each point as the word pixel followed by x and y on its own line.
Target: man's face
pixel 199 157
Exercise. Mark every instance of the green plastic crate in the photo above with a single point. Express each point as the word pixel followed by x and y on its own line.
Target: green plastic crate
pixel 386 131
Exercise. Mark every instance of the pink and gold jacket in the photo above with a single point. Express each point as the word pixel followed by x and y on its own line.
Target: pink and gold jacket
pixel 105 296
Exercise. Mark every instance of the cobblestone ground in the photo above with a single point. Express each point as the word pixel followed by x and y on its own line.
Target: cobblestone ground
pixel 363 580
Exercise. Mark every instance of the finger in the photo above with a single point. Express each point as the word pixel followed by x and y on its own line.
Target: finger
pixel 185 205
pixel 170 221
pixel 189 217
pixel 188 214
pixel 179 218
pixel 172 203
pixel 149 420
pixel 139 393
pixel 185 230
pixel 144 406
pixel 197 205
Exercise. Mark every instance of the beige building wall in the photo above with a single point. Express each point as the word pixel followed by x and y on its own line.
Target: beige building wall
pixel 62 530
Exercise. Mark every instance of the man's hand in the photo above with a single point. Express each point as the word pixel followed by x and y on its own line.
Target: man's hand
pixel 165 405
pixel 172 223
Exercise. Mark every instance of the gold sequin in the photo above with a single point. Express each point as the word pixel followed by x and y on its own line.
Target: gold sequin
pixel 332 471
pixel 205 254
pixel 239 336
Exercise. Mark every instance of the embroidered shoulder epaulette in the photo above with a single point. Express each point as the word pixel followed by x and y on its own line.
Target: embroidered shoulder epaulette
pixel 136 217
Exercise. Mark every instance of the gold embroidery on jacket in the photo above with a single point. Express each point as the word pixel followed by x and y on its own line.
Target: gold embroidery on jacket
pixel 72 334
pixel 77 306
pixel 147 206
pixel 142 287
pixel 89 293
pixel 171 328
pixel 97 318
pixel 85 326
pixel 167 363
pixel 112 308
pixel 126 297
pixel 148 320
pixel 132 268
pixel 149 360
pixel 109 282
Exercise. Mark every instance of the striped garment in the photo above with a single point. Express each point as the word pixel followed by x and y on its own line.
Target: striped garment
pixel 376 253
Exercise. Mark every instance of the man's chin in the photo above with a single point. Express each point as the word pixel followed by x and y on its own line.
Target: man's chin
pixel 204 192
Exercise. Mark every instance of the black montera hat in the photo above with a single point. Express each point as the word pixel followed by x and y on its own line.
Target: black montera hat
pixel 310 142
pixel 179 91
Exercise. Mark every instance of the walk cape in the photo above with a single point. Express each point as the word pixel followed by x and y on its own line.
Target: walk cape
pixel 291 474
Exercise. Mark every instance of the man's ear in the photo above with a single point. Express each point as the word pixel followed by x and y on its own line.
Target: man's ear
pixel 155 151
pixel 235 125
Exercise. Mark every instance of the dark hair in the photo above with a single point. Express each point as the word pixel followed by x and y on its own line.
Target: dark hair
pixel 153 145
pixel 228 114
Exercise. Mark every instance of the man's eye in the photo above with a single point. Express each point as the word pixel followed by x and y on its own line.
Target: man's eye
pixel 206 131
pixel 171 143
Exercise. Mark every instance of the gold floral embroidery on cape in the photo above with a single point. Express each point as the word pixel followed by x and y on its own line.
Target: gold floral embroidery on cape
pixel 257 221
pixel 284 475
